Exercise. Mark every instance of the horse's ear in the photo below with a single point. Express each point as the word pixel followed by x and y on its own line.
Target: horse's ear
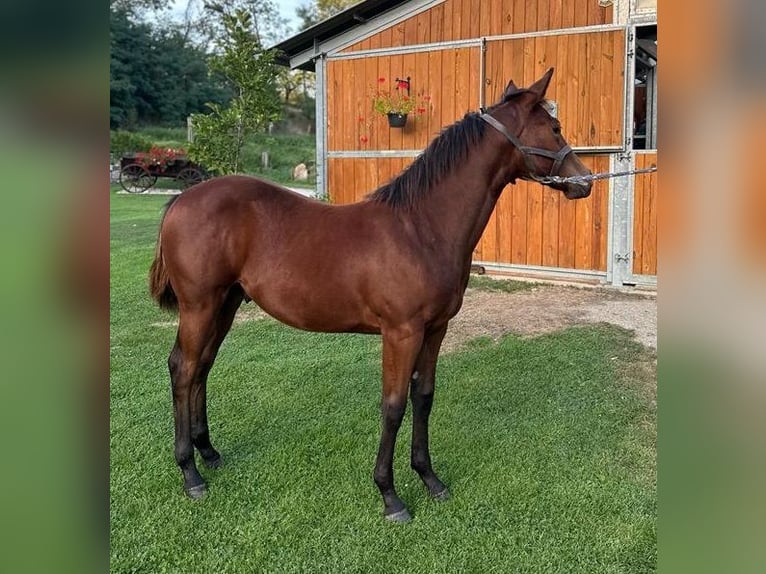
pixel 510 90
pixel 541 85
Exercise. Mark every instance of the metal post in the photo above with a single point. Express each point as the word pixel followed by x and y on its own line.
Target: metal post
pixel 321 123
pixel 621 222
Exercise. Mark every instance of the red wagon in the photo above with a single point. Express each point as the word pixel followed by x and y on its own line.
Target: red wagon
pixel 140 171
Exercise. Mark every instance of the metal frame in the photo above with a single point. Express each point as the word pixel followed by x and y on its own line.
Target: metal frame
pixel 469 43
pixel 545 272
pixel 320 104
pixel 623 191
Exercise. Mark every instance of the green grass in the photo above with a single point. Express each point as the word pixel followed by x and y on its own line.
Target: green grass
pixel 285 152
pixel 484 283
pixel 547 445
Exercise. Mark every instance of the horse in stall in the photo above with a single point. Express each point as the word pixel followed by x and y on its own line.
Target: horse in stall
pixel 395 264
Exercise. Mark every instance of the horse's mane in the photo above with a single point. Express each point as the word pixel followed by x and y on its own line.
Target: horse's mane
pixel 438 160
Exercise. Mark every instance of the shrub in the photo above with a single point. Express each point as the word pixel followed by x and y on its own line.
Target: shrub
pixel 122 142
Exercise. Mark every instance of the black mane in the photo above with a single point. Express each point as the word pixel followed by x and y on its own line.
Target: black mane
pixel 438 160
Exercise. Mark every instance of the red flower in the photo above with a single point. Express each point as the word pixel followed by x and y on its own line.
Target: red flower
pixel 381 80
pixel 360 119
pixel 420 111
pixel 427 98
pixel 404 85
pixel 363 139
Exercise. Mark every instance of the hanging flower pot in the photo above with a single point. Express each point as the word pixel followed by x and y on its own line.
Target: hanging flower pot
pixel 397 120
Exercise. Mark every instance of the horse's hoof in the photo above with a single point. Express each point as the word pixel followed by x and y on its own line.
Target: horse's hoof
pixel 216 462
pixel 399 517
pixel 441 496
pixel 196 492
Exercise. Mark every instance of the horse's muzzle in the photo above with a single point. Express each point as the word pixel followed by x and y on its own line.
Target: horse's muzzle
pixel 577 190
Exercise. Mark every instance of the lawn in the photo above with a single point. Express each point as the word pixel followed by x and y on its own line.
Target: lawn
pixel 547 444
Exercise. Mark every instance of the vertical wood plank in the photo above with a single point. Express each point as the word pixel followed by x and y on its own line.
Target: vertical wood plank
pixel 448 87
pixel 408 69
pixel 555 14
pixel 423 28
pixel 519 222
pixel 447 26
pixel 567 13
pixel 517 24
pixel 410 31
pixel 567 233
pixel 457 19
pixel 638 223
pixel 584 229
pixel 435 83
pixel 485 12
pixel 504 221
pixel 332 92
pixel 530 17
pixel 618 79
pixel 581 12
pixel 386 38
pixel 394 134
pixel 474 63
pixel 594 88
pixel 470 27
pixel 497 15
pixel 365 116
pixel 437 22
pixel 543 15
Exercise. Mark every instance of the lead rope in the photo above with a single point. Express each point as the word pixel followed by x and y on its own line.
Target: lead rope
pixel 588 178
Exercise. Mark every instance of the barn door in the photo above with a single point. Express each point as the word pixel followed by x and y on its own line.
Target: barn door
pixel 534 225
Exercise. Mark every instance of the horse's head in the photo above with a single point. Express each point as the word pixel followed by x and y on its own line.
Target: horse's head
pixel 540 149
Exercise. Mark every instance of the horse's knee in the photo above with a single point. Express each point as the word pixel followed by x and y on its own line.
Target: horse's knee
pixel 393 410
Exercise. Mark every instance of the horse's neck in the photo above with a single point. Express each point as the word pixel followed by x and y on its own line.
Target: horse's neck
pixel 460 209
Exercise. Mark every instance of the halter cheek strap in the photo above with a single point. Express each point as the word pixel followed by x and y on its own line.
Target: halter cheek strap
pixel 557 157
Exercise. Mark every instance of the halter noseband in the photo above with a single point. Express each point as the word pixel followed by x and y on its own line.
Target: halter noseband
pixel 557 157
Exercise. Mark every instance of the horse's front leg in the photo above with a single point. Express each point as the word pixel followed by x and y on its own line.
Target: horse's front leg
pixel 400 349
pixel 422 396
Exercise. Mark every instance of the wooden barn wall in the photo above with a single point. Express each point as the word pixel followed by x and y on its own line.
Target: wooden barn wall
pixel 536 225
pixel 351 179
pixel 531 225
pixel 588 84
pixel 465 19
pixel 450 77
pixel 645 217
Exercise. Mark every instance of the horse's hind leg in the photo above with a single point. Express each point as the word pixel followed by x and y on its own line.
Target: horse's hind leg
pixel 196 331
pixel 422 396
pixel 200 434
pixel 400 349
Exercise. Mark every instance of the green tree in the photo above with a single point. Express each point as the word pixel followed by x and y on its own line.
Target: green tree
pixel 313 12
pixel 251 72
pixel 156 75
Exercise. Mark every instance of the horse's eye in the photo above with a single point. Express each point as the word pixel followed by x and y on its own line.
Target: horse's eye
pixel 557 130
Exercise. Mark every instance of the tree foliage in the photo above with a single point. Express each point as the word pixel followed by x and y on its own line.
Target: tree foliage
pixel 318 10
pixel 156 76
pixel 251 73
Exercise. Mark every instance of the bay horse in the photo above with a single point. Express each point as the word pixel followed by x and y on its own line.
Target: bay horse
pixel 395 264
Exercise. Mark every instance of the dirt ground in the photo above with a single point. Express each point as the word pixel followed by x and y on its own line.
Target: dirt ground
pixel 548 308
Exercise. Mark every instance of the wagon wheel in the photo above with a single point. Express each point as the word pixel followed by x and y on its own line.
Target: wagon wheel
pixel 189 176
pixel 134 178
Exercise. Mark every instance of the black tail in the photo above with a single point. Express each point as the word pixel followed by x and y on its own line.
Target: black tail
pixel 159 280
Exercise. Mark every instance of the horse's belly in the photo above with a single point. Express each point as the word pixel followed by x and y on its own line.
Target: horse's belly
pixel 315 313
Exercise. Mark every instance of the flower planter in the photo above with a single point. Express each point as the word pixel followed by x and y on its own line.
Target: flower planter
pixel 397 120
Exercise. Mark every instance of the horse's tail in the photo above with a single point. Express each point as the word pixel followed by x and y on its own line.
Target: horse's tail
pixel 159 280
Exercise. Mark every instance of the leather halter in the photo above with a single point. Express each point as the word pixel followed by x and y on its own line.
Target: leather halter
pixel 557 157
